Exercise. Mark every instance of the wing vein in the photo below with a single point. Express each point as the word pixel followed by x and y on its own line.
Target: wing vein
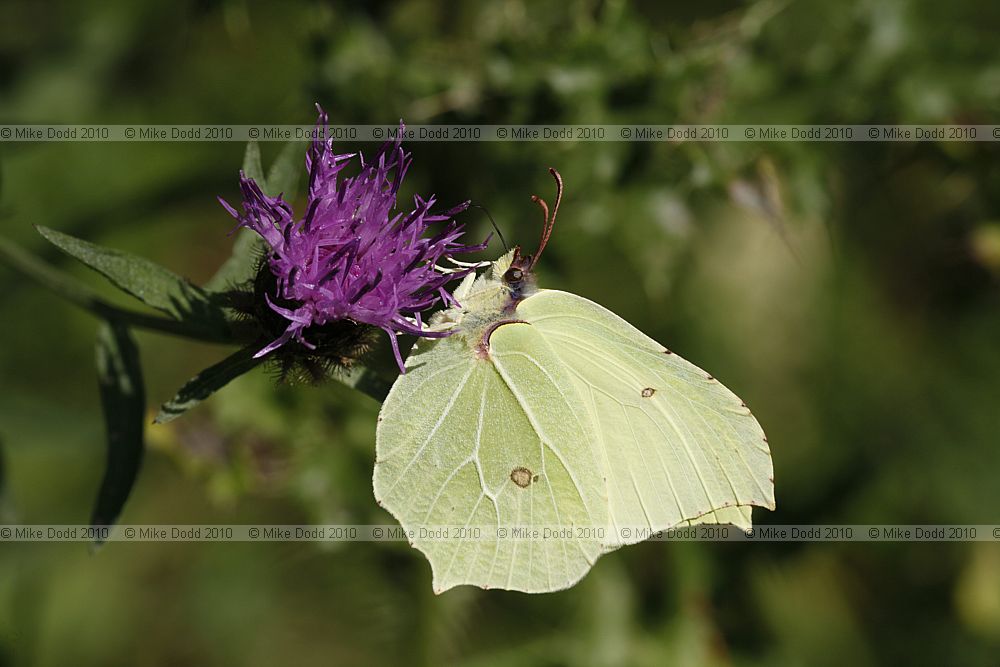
pixel 430 436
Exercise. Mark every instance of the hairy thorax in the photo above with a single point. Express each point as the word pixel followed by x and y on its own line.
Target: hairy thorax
pixel 485 303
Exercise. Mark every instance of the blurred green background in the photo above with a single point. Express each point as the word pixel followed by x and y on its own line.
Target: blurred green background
pixel 848 292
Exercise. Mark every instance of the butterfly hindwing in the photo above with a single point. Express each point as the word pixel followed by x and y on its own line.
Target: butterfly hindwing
pixel 493 443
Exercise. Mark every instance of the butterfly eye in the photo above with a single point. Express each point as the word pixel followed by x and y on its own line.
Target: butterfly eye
pixel 513 275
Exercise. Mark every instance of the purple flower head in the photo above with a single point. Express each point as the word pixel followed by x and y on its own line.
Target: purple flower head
pixel 350 257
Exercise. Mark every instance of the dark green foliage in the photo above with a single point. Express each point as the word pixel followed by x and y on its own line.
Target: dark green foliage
pixel 207 382
pixel 123 400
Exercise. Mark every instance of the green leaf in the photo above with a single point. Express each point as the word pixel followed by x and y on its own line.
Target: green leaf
pixel 239 268
pixel 6 509
pixel 61 283
pixel 283 177
pixel 147 281
pixel 206 383
pixel 3 473
pixel 75 292
pixel 379 371
pixel 251 165
pixel 123 399
pixel 367 380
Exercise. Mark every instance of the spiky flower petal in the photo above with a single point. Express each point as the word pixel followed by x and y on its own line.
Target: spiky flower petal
pixel 350 257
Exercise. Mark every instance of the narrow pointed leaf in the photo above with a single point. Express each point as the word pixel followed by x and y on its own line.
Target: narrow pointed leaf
pixel 6 510
pixel 206 383
pixel 147 281
pixel 283 177
pixel 239 268
pixel 123 400
pixel 368 381
pixel 27 264
pixel 251 165
pixel 379 371
pixel 71 289
pixel 3 473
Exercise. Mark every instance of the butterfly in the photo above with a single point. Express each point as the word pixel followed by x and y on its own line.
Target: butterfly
pixel 547 431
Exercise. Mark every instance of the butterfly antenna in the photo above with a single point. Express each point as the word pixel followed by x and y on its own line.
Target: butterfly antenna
pixel 493 222
pixel 550 221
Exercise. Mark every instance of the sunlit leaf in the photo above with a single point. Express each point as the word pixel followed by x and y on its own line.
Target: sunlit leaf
pixel 251 165
pixel 82 296
pixel 283 179
pixel 283 176
pixel 147 281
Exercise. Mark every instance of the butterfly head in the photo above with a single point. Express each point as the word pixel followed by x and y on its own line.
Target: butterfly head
pixel 494 295
pixel 516 270
pixel 518 277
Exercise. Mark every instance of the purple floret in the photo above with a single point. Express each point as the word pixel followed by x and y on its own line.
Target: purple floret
pixel 349 257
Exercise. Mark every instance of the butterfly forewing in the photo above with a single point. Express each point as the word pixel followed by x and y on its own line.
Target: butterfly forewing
pixel 675 445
